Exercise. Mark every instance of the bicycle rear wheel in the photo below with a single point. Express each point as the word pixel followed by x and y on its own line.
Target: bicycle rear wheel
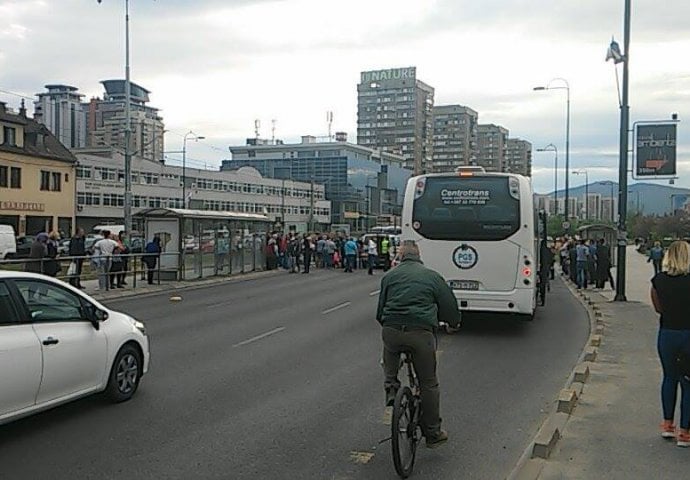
pixel 405 434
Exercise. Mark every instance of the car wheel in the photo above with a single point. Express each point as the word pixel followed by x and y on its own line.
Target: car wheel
pixel 125 374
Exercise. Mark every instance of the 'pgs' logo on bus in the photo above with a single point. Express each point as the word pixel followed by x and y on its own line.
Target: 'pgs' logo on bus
pixel 465 257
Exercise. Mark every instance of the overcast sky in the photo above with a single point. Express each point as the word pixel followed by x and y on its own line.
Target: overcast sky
pixel 215 66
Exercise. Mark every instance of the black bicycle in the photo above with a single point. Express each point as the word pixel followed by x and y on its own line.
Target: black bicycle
pixel 406 432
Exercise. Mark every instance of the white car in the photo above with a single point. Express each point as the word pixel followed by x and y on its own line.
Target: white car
pixel 58 344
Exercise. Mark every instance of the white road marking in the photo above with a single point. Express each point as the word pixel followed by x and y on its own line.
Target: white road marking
pixel 374 293
pixel 216 305
pixel 337 307
pixel 259 337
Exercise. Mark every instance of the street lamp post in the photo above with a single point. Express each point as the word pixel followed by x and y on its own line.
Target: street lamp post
pixel 623 160
pixel 565 87
pixel 196 138
pixel 583 171
pixel 553 148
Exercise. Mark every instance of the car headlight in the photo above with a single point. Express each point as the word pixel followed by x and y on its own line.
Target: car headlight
pixel 140 326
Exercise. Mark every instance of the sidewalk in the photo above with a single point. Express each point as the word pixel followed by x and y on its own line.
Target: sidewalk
pixel 613 432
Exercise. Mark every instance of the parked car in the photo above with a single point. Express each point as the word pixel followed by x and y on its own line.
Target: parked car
pixel 64 345
pixel 89 242
pixel 63 246
pixel 24 246
pixel 8 243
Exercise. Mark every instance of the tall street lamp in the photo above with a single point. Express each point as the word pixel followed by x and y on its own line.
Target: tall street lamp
pixel 583 171
pixel 617 56
pixel 128 129
pixel 566 87
pixel 552 148
pixel 196 138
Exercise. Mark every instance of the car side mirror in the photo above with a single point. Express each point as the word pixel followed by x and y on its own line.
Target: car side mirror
pixel 100 315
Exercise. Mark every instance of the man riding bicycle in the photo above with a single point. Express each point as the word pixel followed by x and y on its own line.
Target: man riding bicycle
pixel 412 301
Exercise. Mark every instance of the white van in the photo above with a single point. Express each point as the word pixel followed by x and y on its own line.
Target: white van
pixel 8 242
pixel 111 228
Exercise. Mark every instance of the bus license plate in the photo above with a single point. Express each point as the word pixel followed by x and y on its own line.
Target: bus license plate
pixel 464 284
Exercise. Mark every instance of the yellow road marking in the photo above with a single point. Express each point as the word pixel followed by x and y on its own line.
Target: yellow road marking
pixel 387 416
pixel 361 458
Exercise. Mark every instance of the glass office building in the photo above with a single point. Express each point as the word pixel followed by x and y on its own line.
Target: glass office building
pixel 365 186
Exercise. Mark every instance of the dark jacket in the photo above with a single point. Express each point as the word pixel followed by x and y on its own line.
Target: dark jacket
pixel 414 295
pixel 77 247
pixel 604 256
pixel 38 252
pixel 51 266
pixel 153 251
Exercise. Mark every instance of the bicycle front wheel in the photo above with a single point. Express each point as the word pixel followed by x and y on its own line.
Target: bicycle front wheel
pixel 405 434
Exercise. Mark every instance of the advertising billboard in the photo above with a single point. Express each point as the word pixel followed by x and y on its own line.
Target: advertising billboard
pixel 655 150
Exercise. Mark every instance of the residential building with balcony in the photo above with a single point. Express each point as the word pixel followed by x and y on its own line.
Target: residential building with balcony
pixel 454 137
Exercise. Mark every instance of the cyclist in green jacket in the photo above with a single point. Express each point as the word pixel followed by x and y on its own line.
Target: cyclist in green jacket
pixel 412 301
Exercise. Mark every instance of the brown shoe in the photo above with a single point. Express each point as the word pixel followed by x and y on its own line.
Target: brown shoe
pixel 438 440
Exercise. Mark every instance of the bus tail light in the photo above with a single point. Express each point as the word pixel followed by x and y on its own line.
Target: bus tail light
pixel 514 187
pixel 420 185
pixel 527 271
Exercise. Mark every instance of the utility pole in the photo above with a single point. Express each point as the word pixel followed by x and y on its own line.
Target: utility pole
pixel 311 206
pixel 128 130
pixel 282 204
pixel 623 162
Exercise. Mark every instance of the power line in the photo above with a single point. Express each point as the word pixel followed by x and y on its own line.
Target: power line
pixel 16 94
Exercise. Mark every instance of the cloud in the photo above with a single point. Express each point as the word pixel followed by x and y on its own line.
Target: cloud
pixel 215 66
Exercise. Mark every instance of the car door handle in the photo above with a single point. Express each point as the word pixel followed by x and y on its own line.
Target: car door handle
pixel 51 341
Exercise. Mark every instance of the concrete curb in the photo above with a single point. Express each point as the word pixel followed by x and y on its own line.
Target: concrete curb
pixel 182 286
pixel 532 461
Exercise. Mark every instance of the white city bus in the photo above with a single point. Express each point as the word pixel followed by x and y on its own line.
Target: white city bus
pixel 480 232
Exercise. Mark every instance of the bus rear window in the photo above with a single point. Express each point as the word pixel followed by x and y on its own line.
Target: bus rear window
pixel 470 208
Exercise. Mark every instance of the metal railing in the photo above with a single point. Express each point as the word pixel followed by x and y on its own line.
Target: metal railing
pixel 192 265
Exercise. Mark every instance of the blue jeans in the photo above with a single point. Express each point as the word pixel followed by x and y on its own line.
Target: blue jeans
pixel 669 344
pixel 349 262
pixel 582 274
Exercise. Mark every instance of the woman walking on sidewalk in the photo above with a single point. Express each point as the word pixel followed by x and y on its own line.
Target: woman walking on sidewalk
pixel 670 290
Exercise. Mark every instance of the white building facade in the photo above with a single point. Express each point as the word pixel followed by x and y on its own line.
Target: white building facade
pixel 100 192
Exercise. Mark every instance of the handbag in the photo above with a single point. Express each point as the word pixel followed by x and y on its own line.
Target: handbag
pixel 72 269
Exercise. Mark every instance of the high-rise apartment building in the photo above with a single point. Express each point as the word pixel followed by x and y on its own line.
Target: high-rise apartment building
pixel 592 209
pixel 518 157
pixel 609 209
pixel 60 109
pixel 394 113
pixel 492 142
pixel 454 137
pixel 105 121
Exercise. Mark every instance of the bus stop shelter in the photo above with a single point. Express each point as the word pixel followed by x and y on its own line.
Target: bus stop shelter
pixel 206 243
pixel 598 231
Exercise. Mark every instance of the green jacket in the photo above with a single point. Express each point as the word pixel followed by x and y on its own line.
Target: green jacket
pixel 412 294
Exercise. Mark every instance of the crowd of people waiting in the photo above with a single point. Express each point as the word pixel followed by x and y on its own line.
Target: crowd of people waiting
pixel 299 252
pixel 585 262
pixel 108 257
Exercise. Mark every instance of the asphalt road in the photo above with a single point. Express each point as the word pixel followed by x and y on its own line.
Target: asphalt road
pixel 279 378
